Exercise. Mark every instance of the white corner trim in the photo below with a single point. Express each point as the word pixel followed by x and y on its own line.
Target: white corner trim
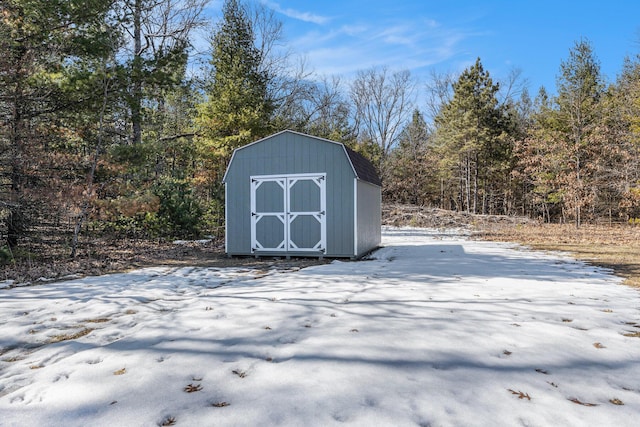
pixel 226 219
pixel 355 216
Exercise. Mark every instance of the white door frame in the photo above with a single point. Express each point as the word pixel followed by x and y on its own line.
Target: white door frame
pixel 286 182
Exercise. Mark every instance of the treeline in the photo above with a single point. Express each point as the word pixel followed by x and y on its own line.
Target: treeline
pixel 112 122
pixel 572 157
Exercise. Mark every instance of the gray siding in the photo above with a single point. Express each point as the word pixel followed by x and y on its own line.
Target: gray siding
pixel 284 154
pixel 368 217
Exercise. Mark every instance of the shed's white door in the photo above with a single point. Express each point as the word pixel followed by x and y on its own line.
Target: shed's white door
pixel 288 213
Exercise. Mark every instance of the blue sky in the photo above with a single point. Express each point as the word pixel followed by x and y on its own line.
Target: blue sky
pixel 342 37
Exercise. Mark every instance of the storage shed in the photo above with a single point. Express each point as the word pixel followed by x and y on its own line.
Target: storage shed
pixel 292 194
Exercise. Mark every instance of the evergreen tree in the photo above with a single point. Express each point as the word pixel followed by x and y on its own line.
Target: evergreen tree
pixel 155 113
pixel 580 88
pixel 238 106
pixel 473 142
pixel 46 53
pixel 411 177
pixel 618 179
pixel 564 150
pixel 540 161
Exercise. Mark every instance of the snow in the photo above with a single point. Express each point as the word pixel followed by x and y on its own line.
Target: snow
pixel 186 242
pixel 434 330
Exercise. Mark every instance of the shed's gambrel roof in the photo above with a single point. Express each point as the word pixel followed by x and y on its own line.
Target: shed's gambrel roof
pixel 362 167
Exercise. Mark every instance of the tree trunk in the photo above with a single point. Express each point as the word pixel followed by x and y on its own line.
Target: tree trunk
pixel 475 184
pixel 136 75
pixel 467 183
pixel 86 204
pixel 15 220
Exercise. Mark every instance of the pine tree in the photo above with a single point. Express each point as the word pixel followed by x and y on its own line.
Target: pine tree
pixel 618 179
pixel 540 161
pixel 45 51
pixel 471 133
pixel 411 177
pixel 238 108
pixel 580 88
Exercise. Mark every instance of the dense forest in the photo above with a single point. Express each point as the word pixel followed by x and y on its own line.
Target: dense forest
pixel 113 124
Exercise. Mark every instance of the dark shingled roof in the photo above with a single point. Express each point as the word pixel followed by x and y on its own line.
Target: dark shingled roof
pixel 363 167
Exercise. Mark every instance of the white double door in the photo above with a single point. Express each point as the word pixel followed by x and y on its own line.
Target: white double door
pixel 288 213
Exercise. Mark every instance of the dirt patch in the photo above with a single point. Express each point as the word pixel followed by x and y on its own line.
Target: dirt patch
pixel 616 247
pixel 102 256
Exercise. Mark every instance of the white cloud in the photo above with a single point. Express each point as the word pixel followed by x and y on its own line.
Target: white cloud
pixel 296 14
pixel 411 45
pixel 399 35
pixel 353 30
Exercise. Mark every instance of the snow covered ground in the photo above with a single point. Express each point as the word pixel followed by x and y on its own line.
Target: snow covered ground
pixel 436 330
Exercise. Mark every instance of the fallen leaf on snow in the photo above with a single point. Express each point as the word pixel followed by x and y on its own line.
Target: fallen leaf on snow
pixel 169 421
pixel 239 373
pixel 192 388
pixel 520 394
pixel 575 400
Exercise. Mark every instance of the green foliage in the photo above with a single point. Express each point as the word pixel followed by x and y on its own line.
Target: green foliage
pixel 579 88
pixel 564 148
pixel 212 221
pixel 474 142
pixel 48 50
pixel 139 226
pixel 167 209
pixel 6 255
pixel 179 209
pixel 238 108
pixel 410 175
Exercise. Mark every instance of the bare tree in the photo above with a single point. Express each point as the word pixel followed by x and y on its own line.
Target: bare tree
pixel 269 39
pixel 439 91
pixel 159 32
pixel 512 87
pixel 383 102
pixel 290 82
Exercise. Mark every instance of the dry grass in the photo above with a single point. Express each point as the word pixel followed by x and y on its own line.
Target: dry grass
pixel 98 320
pixel 615 247
pixel 70 336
